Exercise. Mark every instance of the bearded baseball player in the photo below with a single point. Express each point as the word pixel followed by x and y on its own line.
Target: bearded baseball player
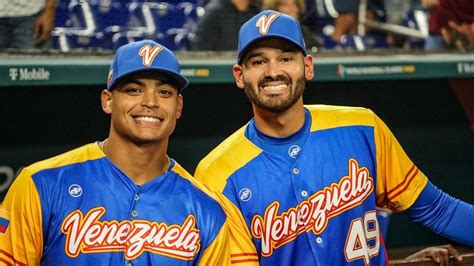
pixel 121 201
pixel 307 179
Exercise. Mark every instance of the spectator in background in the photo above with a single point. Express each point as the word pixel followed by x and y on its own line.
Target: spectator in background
pixel 294 8
pixel 459 36
pixel 451 24
pixel 347 20
pixel 26 24
pixel 217 30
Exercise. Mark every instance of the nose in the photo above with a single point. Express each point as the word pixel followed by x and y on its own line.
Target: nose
pixel 150 99
pixel 272 69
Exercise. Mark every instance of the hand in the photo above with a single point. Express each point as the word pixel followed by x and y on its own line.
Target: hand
pixel 44 26
pixel 439 254
pixel 461 36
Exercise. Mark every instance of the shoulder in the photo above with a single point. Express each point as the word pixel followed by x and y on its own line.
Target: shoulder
pixel 332 116
pixel 227 157
pixel 199 192
pixel 79 155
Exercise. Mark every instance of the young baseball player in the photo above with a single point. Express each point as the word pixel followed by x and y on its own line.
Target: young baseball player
pixel 121 201
pixel 307 179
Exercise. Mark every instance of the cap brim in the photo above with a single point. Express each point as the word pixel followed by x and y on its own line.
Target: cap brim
pixel 272 35
pixel 181 81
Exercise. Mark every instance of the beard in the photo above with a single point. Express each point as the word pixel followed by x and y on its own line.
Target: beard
pixel 275 104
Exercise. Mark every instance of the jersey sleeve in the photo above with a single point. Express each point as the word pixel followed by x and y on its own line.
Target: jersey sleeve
pixel 21 237
pixel 399 181
pixel 242 249
pixel 217 253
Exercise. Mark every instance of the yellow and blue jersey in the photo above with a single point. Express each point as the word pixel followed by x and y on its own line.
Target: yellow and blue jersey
pixel 311 198
pixel 78 208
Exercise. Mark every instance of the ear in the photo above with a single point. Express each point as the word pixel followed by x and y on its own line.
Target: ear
pixel 106 101
pixel 238 75
pixel 308 67
pixel 179 109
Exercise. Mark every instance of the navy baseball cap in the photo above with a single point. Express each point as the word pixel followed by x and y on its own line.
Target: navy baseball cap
pixel 142 56
pixel 269 24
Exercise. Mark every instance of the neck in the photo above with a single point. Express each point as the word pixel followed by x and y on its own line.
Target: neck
pixel 140 162
pixel 280 124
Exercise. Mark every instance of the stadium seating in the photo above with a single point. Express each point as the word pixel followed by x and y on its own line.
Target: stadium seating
pixel 363 43
pixel 108 24
pixel 319 16
pixel 417 20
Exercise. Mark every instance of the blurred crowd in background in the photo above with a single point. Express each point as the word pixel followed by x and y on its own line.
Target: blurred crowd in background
pixel 212 25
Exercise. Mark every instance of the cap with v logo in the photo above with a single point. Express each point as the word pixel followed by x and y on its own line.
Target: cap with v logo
pixel 142 56
pixel 266 24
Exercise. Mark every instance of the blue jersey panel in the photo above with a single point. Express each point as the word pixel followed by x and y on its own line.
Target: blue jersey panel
pixel 322 201
pixel 93 214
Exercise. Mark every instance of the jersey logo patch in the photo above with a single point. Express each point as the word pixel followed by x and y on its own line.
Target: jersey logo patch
pixel 294 150
pixel 4 220
pixel 109 77
pixel 75 190
pixel 263 23
pixel 87 234
pixel 148 54
pixel 245 194
pixel 314 213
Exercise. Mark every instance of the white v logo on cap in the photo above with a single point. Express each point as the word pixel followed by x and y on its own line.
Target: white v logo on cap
pixel 264 23
pixel 148 54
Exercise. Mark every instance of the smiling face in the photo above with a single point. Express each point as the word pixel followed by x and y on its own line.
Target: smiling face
pixel 273 74
pixel 144 107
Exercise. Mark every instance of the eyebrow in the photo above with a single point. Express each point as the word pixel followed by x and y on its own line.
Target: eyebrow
pixel 252 55
pixel 162 81
pixel 286 49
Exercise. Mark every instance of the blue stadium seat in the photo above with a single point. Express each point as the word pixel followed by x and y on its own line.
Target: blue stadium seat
pixel 417 20
pixel 109 14
pixel 362 43
pixel 191 13
pixel 81 17
pixel 180 38
pixel 319 17
pixel 153 17
pixel 110 17
pixel 78 30
pixel 195 2
pixel 62 14
pixel 108 24
pixel 66 41
pixel 122 38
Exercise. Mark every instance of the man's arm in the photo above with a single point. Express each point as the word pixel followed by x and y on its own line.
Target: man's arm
pixel 45 23
pixel 460 36
pixel 218 252
pixel 440 254
pixel 21 237
pixel 445 215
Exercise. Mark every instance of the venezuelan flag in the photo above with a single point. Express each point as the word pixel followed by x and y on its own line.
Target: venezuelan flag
pixel 4 221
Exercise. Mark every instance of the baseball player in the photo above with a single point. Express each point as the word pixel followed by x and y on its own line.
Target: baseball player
pixel 307 179
pixel 121 201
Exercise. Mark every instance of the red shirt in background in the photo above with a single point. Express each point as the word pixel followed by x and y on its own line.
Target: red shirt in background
pixel 460 11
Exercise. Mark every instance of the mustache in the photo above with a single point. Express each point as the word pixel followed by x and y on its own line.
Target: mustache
pixel 276 78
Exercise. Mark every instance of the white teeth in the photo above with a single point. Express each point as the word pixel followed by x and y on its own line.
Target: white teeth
pixel 275 88
pixel 148 119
